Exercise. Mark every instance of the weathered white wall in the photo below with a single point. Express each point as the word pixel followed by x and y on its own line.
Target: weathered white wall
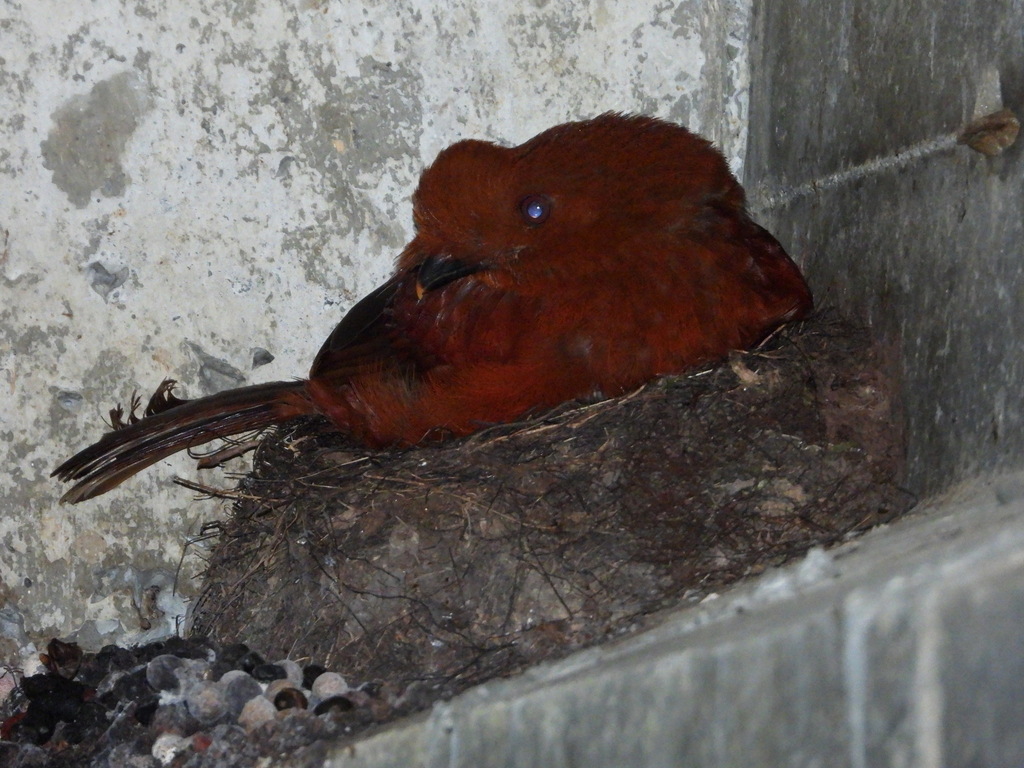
pixel 183 185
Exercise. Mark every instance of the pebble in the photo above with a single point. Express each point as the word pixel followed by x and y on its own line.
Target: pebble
pixel 206 702
pixel 173 718
pixel 256 712
pixel 289 698
pixel 167 672
pixel 161 672
pixel 276 687
pixel 310 673
pixel 334 704
pixel 293 672
pixel 267 672
pixel 329 685
pixel 238 688
pixel 168 746
pixel 249 661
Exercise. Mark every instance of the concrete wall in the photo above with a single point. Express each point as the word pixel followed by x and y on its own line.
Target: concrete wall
pixel 853 159
pixel 199 189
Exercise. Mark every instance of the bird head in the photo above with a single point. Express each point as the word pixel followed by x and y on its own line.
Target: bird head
pixel 593 186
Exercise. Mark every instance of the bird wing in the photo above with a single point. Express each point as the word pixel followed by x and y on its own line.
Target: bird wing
pixel 429 314
pixel 363 336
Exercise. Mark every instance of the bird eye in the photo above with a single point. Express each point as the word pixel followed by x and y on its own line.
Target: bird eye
pixel 535 209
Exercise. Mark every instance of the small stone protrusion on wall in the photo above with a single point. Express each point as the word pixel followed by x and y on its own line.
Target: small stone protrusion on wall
pixel 994 127
pixel 991 134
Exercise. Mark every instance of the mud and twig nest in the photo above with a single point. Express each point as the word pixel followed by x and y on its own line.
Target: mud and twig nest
pixel 433 569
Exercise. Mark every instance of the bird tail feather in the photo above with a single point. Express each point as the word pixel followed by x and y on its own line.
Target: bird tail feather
pixel 176 425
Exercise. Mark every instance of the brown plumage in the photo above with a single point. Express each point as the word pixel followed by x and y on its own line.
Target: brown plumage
pixel 582 263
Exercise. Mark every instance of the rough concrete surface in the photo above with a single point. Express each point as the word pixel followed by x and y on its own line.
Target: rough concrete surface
pixel 199 189
pixel 855 110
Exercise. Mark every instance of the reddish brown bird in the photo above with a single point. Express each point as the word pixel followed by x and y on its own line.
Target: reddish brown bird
pixel 580 264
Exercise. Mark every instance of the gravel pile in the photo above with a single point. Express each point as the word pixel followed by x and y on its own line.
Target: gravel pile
pixel 180 703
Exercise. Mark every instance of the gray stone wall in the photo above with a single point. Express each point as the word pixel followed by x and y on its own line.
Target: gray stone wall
pixel 855 109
